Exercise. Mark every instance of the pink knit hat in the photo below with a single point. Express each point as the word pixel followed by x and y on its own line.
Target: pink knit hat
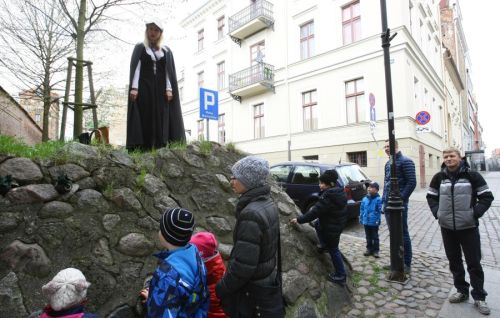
pixel 206 244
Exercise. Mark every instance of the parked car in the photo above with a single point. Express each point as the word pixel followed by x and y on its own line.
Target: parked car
pixel 300 180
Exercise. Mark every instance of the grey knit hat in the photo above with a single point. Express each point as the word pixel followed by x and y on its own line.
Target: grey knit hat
pixel 251 171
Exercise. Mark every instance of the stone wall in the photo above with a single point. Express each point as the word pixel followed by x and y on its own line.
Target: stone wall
pixel 15 121
pixel 107 226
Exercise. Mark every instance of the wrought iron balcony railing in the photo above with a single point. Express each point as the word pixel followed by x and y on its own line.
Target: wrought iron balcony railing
pixel 260 73
pixel 260 9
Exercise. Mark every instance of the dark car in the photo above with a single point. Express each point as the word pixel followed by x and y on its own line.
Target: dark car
pixel 301 182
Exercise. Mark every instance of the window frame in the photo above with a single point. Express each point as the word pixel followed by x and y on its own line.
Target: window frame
pixel 220 27
pixel 201 79
pixel 258 117
pixel 351 22
pixel 221 129
pixel 313 123
pixel 309 39
pixel 221 75
pixel 201 38
pixel 361 158
pixel 201 128
pixel 354 95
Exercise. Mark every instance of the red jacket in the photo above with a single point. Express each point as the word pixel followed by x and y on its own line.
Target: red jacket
pixel 215 270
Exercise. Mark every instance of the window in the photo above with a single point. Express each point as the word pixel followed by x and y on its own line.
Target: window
pixel 222 129
pixel 181 93
pixel 309 110
pixel 201 36
pixel 306 175
pixel 351 23
pixel 201 127
pixel 354 96
pixel 37 118
pixel 220 28
pixel 221 75
pixel 257 53
pixel 358 157
pixel 307 40
pixel 258 121
pixel 311 158
pixel 201 76
pixel 280 173
pixel 431 161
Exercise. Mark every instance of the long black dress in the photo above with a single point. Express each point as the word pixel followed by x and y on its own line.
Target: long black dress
pixel 151 121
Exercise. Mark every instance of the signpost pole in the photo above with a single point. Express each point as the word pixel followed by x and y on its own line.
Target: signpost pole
pixel 208 130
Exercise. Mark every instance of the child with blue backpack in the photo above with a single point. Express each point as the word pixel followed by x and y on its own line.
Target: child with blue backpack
pixel 369 216
pixel 179 284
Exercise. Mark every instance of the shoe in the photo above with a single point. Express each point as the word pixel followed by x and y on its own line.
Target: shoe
pixel 407 270
pixel 367 253
pixel 337 279
pixel 375 254
pixel 458 297
pixel 482 307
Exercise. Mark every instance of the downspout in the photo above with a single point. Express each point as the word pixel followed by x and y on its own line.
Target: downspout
pixel 287 86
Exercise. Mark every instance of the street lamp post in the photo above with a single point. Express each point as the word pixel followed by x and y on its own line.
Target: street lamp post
pixel 394 204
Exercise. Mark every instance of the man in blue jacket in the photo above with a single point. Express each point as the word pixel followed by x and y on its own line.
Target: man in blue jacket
pixel 407 181
pixel 457 198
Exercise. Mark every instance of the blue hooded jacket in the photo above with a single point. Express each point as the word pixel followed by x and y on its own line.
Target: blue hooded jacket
pixel 370 210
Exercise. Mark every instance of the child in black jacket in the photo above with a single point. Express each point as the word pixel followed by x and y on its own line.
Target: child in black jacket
pixel 330 210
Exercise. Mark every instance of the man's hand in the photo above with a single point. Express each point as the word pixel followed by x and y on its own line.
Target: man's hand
pixel 133 94
pixel 294 221
pixel 144 293
pixel 169 96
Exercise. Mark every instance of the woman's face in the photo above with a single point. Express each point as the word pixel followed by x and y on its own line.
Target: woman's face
pixel 237 186
pixel 153 33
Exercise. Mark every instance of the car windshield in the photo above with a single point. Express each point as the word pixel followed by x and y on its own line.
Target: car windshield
pixel 351 173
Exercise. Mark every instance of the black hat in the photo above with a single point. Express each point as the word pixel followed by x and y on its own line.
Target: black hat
pixel 176 226
pixel 329 177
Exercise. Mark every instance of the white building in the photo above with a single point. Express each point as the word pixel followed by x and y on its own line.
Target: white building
pixel 295 79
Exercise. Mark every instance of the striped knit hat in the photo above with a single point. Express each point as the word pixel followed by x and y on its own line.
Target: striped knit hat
pixel 176 226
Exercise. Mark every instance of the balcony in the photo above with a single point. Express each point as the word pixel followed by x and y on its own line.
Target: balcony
pixel 252 19
pixel 251 81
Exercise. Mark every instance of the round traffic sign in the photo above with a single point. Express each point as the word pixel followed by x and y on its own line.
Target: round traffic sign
pixel 423 117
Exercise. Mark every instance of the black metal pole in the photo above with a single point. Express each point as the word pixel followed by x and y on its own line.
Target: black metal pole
pixel 394 205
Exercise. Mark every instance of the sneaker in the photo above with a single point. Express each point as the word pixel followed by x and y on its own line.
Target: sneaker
pixel 375 254
pixel 338 279
pixel 367 253
pixel 482 307
pixel 458 297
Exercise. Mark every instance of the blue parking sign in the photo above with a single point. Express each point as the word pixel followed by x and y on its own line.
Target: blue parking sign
pixel 209 104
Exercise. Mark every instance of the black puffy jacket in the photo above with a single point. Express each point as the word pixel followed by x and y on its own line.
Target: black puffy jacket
pixel 255 237
pixel 332 214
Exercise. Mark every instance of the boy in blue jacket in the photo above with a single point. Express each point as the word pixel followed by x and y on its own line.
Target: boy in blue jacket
pixel 178 288
pixel 369 216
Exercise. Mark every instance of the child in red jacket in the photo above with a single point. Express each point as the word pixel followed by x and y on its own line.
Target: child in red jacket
pixel 207 246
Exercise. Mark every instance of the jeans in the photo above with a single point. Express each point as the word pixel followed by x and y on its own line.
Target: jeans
pixel 372 241
pixel 334 252
pixel 406 234
pixel 469 242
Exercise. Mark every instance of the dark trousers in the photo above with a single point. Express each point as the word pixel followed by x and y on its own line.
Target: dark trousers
pixel 334 252
pixel 406 234
pixel 372 241
pixel 469 242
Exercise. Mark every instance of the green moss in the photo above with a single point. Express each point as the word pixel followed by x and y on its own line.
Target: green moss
pixel 205 148
pixel 108 191
pixel 177 145
pixel 141 178
pixel 231 147
pixel 356 278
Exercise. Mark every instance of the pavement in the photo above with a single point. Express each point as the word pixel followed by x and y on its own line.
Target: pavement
pixel 431 283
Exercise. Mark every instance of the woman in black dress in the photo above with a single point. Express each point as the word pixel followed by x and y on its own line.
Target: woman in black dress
pixel 154 116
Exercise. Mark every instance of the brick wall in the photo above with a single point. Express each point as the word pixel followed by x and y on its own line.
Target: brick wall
pixel 15 121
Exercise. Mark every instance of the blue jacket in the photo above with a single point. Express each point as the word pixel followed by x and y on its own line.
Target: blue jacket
pixel 407 180
pixel 370 210
pixel 179 285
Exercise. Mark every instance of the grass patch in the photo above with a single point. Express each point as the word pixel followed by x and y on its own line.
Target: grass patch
pixel 15 147
pixel 108 192
pixel 141 178
pixel 177 145
pixel 356 278
pixel 231 147
pixel 205 148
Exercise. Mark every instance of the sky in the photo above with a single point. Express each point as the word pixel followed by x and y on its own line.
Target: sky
pixel 479 22
pixel 476 20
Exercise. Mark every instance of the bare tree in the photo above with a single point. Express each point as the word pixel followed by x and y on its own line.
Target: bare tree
pixel 34 46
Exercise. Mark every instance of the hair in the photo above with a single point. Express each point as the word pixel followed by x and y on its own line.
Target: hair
pixel 452 149
pixel 146 41
pixel 395 142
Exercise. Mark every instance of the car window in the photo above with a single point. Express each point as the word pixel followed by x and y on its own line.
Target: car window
pixel 280 173
pixel 351 173
pixel 305 175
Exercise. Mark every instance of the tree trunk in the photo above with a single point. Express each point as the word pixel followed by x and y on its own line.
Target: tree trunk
pixel 80 37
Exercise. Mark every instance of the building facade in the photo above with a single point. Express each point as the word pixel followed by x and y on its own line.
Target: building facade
pixel 15 120
pixel 304 80
pixel 33 104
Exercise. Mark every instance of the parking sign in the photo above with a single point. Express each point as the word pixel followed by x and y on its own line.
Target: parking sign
pixel 209 104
